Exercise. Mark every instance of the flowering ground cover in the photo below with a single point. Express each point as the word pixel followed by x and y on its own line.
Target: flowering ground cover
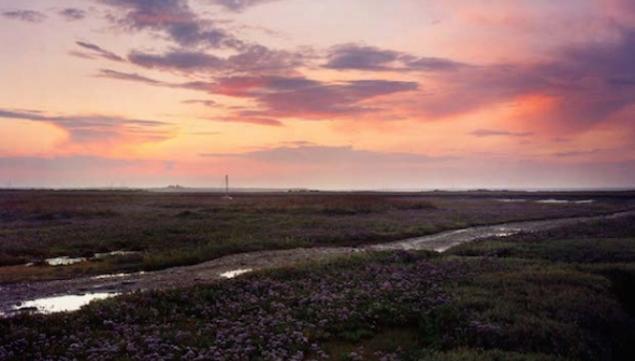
pixel 385 306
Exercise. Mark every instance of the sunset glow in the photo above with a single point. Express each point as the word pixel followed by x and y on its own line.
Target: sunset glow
pixel 331 94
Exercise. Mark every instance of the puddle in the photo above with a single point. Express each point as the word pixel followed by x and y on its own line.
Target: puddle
pixel 113 254
pixel 505 234
pixel 116 275
pixel 564 201
pixel 553 201
pixel 66 261
pixel 63 261
pixel 586 201
pixel 61 303
pixel 104 277
pixel 235 273
pixel 546 201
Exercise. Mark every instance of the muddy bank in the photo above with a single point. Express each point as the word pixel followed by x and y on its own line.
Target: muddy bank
pixel 443 241
pixel 17 295
pixel 13 295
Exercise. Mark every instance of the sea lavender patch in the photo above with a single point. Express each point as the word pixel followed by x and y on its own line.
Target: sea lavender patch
pixel 281 316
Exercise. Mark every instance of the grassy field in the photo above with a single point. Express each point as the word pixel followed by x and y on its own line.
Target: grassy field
pixel 565 294
pixel 170 229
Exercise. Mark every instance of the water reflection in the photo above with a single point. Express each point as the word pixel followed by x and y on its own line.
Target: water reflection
pixel 61 303
pixel 235 273
pixel 117 275
pixel 64 261
pixel 546 201
pixel 112 254
pixel 564 201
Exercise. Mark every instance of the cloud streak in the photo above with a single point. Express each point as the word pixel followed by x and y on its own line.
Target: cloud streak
pixel 72 14
pixel 29 16
pixel 483 133
pixel 97 51
pixel 173 18
pixel 248 120
pixel 133 77
pixel 205 102
pixel 280 96
pixel 251 59
pixel 239 5
pixel 317 154
pixel 95 127
pixel 179 60
pixel 307 98
pixel 369 58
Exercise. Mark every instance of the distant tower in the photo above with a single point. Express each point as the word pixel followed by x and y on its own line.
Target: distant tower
pixel 227 196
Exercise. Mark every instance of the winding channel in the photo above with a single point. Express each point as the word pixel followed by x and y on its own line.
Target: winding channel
pixel 46 296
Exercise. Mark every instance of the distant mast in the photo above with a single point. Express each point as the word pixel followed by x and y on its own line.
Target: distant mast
pixel 227 196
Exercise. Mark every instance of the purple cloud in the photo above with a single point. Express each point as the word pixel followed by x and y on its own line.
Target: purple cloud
pixel 113 74
pixel 96 50
pixel 280 96
pixel 174 18
pixel 352 56
pixel 239 5
pixel 180 60
pixel 253 58
pixel 258 58
pixel 359 57
pixel 325 100
pixel 29 16
pixel 72 14
pixel 83 128
pixel 311 99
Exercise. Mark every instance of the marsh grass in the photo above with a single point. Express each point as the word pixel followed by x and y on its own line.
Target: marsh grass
pixel 174 229
pixel 565 294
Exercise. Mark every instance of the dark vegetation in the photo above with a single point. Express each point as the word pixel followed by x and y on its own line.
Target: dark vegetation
pixel 565 294
pixel 603 248
pixel 170 229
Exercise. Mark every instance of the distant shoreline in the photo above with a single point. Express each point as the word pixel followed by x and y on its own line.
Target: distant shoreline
pixel 325 191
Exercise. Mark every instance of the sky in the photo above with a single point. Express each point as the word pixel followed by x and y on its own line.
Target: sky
pixel 329 94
